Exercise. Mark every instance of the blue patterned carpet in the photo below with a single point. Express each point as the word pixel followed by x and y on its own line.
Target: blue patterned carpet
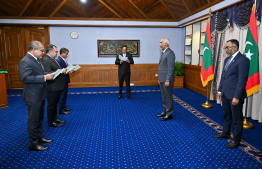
pixel 103 132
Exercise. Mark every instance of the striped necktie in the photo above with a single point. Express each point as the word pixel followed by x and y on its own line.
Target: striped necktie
pixel 38 60
pixel 228 62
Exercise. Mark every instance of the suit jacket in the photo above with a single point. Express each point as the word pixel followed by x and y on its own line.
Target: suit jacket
pixel 50 66
pixel 32 75
pixel 63 65
pixel 166 66
pixel 233 80
pixel 124 68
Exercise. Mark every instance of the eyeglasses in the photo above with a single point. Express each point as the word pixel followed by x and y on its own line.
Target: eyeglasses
pixel 228 47
pixel 43 50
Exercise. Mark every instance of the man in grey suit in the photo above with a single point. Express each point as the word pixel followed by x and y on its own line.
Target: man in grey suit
pixel 54 87
pixel 166 78
pixel 34 78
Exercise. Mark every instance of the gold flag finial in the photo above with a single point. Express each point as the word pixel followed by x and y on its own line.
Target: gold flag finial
pixel 209 11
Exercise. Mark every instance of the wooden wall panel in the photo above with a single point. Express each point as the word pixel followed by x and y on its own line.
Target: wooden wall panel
pixel 193 80
pixel 107 75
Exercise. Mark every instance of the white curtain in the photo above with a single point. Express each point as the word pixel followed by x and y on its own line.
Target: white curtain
pixel 254 102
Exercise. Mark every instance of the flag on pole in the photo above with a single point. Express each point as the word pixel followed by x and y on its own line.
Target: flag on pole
pixel 251 52
pixel 207 70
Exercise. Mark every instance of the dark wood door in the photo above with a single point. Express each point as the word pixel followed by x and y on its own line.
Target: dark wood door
pixel 40 33
pixel 14 45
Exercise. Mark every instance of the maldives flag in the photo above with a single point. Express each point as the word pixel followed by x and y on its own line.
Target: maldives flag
pixel 251 52
pixel 207 72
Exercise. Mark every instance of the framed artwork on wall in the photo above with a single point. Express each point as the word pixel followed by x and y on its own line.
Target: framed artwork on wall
pixel 110 48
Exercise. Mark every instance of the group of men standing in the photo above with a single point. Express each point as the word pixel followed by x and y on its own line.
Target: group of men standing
pixel 166 77
pixel 231 88
pixel 39 84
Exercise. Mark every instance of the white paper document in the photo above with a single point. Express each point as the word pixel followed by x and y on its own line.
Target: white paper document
pixel 124 58
pixel 120 57
pixel 76 67
pixel 57 72
pixel 69 68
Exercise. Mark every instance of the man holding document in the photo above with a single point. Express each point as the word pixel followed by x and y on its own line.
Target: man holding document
pixel 63 64
pixel 55 86
pixel 34 78
pixel 124 60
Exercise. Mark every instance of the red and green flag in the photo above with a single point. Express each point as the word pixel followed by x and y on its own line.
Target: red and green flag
pixel 207 71
pixel 251 52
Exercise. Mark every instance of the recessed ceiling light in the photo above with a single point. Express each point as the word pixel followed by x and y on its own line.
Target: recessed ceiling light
pixel 83 1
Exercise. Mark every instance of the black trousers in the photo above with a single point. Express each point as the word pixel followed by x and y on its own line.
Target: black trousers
pixel 52 101
pixel 63 97
pixel 121 78
pixel 35 119
pixel 232 112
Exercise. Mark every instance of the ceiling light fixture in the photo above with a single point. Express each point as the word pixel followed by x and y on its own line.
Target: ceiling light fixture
pixel 83 1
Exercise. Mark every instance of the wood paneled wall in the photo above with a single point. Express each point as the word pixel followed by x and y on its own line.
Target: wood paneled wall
pixel 193 80
pixel 107 76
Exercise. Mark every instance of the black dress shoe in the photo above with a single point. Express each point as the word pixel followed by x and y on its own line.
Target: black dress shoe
pixel 60 120
pixel 232 144
pixel 258 154
pixel 129 96
pixel 220 135
pixel 68 109
pixel 64 112
pixel 161 115
pixel 55 124
pixel 119 97
pixel 38 147
pixel 165 118
pixel 45 140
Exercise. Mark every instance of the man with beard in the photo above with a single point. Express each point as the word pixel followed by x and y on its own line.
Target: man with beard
pixel 232 92
pixel 54 87
pixel 166 78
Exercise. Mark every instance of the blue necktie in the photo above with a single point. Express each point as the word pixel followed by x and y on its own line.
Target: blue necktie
pixel 228 62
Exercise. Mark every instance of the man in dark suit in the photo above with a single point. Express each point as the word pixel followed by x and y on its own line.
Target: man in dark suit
pixel 124 60
pixel 232 92
pixel 63 64
pixel 166 78
pixel 33 76
pixel 54 87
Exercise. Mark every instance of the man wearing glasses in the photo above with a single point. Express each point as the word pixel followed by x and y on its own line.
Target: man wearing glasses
pixel 33 76
pixel 54 87
pixel 232 92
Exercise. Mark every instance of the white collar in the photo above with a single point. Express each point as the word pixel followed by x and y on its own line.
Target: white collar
pixel 234 55
pixel 32 55
pixel 62 58
pixel 165 50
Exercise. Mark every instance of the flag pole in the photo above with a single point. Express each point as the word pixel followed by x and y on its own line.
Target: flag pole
pixel 207 104
pixel 246 124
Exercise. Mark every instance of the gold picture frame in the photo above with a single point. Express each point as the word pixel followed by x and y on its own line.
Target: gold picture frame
pixel 110 48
